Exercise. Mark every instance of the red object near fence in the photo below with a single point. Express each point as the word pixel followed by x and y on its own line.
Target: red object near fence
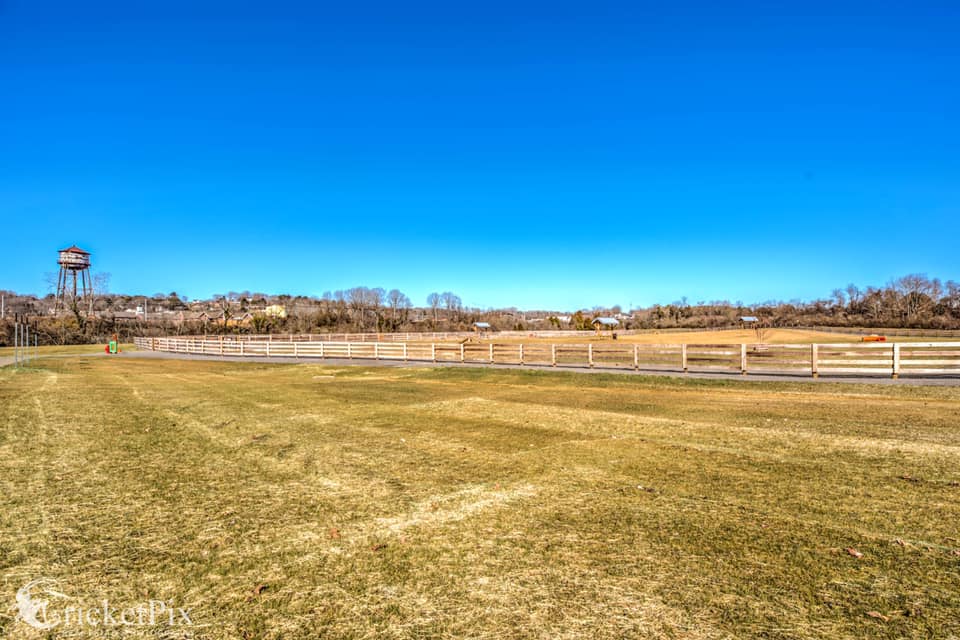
pixel 873 339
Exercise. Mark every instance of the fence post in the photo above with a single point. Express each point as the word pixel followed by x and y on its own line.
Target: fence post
pixel 241 347
pixel 590 354
pixel 683 357
pixel 376 350
pixel 404 351
pixel 349 352
pixel 221 345
pixel 491 353
pixel 296 352
pixel 521 354
pixel 268 347
pixel 896 360
pixel 743 359
pixel 813 360
pixel 636 357
pixel 461 353
pixel 433 351
pixel 321 350
pixel 553 355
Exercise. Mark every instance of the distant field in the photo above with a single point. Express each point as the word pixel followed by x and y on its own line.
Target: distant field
pixel 303 501
pixel 723 336
pixel 72 349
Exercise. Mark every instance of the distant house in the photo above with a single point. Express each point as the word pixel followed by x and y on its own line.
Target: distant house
pixel 605 324
pixel 182 316
pixel 749 321
pixel 275 311
pixel 240 319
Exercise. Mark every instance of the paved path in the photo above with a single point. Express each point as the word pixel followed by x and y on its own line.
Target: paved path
pixel 766 377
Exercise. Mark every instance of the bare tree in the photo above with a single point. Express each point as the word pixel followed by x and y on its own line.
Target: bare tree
pixel 917 293
pixel 451 302
pixel 839 299
pixel 358 299
pixel 434 301
pixel 397 301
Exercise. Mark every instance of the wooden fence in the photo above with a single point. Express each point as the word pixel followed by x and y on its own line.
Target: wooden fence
pixel 867 359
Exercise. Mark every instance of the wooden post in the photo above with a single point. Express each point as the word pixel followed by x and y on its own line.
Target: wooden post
pixel 683 357
pixel 521 354
pixel 404 351
pixel 296 352
pixel 268 347
pixel 376 350
pixel 491 353
pixel 433 351
pixel 553 355
pixel 813 360
pixel 743 359
pixel 636 357
pixel 349 352
pixel 321 350
pixel 896 360
pixel 221 345
pixel 241 347
pixel 461 353
pixel 590 354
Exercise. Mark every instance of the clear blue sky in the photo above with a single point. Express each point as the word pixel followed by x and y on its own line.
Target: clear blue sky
pixel 538 154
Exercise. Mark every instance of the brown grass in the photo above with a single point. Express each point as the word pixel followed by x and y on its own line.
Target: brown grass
pixel 305 501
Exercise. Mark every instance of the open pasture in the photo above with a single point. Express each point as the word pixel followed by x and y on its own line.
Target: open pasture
pixel 720 336
pixel 303 501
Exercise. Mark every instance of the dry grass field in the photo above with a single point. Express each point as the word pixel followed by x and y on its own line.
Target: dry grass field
pixel 720 336
pixel 304 501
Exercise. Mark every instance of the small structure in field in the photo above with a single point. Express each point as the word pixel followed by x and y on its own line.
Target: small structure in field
pixel 482 327
pixel 604 324
pixel 758 325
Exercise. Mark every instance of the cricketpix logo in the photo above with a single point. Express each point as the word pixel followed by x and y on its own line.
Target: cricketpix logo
pixel 41 604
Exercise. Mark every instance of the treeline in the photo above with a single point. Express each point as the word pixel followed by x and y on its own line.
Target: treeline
pixel 912 301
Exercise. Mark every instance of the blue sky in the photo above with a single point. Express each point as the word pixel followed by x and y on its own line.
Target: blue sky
pixel 541 155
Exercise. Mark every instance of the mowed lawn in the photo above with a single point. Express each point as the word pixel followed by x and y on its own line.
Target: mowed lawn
pixel 303 501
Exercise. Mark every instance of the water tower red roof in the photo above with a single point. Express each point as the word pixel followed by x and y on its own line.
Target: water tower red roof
pixel 75 249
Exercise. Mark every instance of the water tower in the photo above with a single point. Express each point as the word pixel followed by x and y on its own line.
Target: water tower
pixel 74 263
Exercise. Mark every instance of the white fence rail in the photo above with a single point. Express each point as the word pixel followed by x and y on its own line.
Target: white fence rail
pixel 404 337
pixel 867 359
